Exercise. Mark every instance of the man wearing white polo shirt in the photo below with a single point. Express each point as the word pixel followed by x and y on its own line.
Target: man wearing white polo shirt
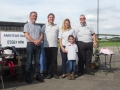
pixel 85 36
pixel 50 32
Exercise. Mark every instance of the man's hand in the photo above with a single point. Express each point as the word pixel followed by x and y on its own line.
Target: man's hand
pixel 95 44
pixel 37 43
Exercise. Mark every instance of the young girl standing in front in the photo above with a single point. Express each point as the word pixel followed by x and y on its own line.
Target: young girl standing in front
pixel 71 49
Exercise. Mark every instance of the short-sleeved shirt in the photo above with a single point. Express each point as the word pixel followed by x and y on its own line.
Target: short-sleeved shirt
pixel 64 35
pixel 72 50
pixel 34 30
pixel 84 33
pixel 50 33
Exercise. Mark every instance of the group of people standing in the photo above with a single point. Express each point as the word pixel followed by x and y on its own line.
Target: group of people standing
pixel 74 44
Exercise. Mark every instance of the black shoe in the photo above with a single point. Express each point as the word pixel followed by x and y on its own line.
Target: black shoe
pixel 49 76
pixel 39 78
pixel 56 76
pixel 90 73
pixel 28 80
pixel 80 74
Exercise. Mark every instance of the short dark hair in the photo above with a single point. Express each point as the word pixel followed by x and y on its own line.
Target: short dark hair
pixel 82 15
pixel 33 12
pixel 71 36
pixel 50 14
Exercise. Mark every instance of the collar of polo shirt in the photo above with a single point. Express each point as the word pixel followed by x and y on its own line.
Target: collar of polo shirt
pixel 71 43
pixel 50 25
pixel 85 24
pixel 31 23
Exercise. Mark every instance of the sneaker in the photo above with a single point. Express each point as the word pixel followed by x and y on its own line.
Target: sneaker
pixel 49 76
pixel 69 76
pixel 73 76
pixel 56 76
pixel 28 80
pixel 90 73
pixel 39 78
pixel 80 74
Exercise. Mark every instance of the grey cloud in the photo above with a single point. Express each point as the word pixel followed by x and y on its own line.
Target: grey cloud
pixel 95 19
pixel 110 8
pixel 103 9
pixel 112 27
pixel 117 16
pixel 92 10
pixel 18 17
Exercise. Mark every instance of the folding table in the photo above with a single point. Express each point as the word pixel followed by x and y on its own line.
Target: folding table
pixel 105 63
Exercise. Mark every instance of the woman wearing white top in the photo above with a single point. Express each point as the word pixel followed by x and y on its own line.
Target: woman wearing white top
pixel 65 31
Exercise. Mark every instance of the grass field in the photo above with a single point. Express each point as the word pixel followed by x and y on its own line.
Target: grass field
pixel 101 44
pixel 105 44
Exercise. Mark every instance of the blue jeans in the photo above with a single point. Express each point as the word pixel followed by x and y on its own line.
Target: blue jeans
pixel 64 60
pixel 71 66
pixel 32 49
pixel 42 59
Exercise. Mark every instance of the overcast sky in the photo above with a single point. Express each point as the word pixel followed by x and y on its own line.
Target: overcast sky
pixel 18 11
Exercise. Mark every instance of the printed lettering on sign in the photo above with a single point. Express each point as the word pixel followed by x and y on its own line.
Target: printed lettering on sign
pixel 16 39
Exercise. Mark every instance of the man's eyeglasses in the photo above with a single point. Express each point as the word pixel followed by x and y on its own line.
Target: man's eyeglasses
pixel 82 18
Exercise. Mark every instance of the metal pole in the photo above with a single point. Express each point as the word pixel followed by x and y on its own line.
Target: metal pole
pixel 98 22
pixel 96 48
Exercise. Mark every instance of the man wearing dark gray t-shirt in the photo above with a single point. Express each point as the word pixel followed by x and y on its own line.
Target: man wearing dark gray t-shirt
pixel 33 36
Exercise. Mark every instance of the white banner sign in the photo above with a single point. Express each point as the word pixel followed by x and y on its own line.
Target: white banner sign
pixel 16 39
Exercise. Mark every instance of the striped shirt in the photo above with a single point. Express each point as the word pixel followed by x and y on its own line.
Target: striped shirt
pixel 34 30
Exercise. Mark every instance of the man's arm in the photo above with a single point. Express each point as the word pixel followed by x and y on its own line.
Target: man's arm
pixel 93 36
pixel 29 37
pixel 26 33
pixel 40 39
pixel 37 42
pixel 94 39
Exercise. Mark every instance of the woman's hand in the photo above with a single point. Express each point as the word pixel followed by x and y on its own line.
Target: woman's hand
pixel 63 49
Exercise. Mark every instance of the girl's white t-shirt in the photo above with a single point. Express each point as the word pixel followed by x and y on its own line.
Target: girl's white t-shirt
pixel 64 35
pixel 72 50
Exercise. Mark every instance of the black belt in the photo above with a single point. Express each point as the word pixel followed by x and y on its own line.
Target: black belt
pixel 29 42
pixel 84 42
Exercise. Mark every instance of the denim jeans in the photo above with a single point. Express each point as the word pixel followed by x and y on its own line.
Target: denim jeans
pixel 64 60
pixel 71 66
pixel 32 49
pixel 42 59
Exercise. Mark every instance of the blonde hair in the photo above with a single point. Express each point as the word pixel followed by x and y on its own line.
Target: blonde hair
pixel 63 25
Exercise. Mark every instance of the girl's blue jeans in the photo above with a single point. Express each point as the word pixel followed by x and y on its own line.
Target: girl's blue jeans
pixel 71 66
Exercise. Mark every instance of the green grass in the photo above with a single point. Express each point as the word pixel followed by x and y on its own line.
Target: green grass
pixel 105 43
